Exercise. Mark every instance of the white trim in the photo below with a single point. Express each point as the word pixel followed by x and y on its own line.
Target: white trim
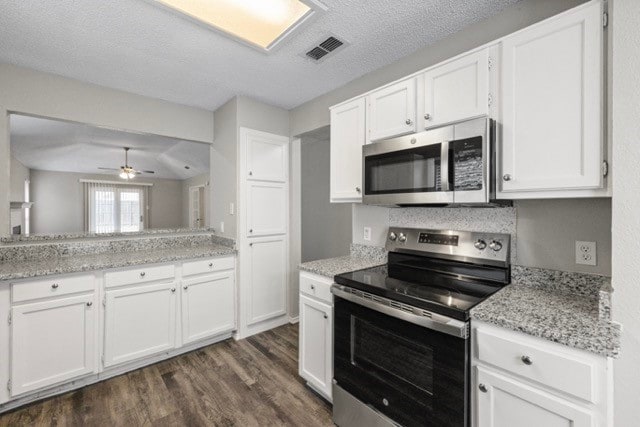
pixel 97 181
pixel 294 320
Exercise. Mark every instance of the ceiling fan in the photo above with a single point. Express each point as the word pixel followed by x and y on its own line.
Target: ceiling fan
pixel 126 171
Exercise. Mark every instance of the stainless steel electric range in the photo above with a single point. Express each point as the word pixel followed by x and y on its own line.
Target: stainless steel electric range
pixel 401 331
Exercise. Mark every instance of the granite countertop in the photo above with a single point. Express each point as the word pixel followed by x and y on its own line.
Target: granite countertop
pixel 332 266
pixel 72 264
pixel 565 318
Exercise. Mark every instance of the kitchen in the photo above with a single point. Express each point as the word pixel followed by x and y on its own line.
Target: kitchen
pixel 496 160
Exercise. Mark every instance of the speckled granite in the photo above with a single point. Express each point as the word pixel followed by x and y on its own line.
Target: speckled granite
pixel 53 249
pixel 374 253
pixel 64 265
pixel 332 266
pixel 87 235
pixel 562 281
pixel 489 220
pixel 572 320
pixel 223 241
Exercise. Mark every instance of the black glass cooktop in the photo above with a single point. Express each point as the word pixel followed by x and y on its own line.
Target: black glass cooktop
pixel 444 287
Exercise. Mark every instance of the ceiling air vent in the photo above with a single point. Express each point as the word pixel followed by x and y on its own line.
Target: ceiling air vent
pixel 324 48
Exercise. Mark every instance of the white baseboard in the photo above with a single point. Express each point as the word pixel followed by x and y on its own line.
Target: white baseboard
pixel 293 320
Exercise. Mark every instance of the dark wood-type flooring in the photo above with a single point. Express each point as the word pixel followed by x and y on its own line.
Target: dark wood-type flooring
pixel 252 382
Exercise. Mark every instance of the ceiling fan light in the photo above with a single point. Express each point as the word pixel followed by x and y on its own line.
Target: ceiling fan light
pixel 124 175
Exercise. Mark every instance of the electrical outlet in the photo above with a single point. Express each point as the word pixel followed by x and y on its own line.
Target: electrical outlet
pixel 586 253
pixel 366 234
pixel 222 226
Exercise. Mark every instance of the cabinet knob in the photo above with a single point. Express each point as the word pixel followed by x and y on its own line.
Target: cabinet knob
pixel 210 264
pixel 250 244
pixel 89 304
pixel 313 287
pixel 250 173
pixel 251 230
pixel 173 289
pixel 427 116
pixel 185 287
pixel 506 177
pixel 142 274
pixel 408 121
pixel 482 387
pixel 526 360
pixel 325 316
pixel 54 286
pixel 358 189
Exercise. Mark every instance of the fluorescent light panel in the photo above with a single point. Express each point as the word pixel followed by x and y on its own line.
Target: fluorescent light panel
pixel 259 22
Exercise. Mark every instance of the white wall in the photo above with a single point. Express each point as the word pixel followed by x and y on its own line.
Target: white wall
pixel 32 92
pixel 625 32
pixel 326 227
pixel 58 202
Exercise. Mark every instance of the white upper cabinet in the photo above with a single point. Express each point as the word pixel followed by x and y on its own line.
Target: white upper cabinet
pixel 392 110
pixel 457 90
pixel 347 138
pixel 267 156
pixel 552 83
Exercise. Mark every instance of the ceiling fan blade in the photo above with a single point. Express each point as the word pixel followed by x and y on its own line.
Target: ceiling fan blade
pixel 110 169
pixel 145 171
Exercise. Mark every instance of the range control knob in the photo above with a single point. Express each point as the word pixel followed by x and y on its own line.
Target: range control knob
pixel 402 238
pixel 392 236
pixel 480 244
pixel 495 245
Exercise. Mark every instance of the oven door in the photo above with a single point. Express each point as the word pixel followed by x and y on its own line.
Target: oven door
pixel 412 169
pixel 470 155
pixel 411 374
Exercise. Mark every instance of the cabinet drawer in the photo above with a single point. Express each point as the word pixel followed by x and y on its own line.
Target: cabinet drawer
pixel 208 265
pixel 538 361
pixel 139 275
pixel 316 286
pixel 51 287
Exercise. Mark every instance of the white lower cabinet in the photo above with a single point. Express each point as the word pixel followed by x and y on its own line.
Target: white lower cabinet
pixel 53 342
pixel 208 306
pixel 139 321
pixel 525 381
pixel 316 333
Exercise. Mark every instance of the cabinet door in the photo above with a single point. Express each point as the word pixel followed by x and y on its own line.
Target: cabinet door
pixel 267 281
pixel 208 306
pixel 457 90
pixel 510 403
pixel 347 138
pixel 316 344
pixel 552 101
pixel 52 342
pixel 266 208
pixel 267 156
pixel 139 322
pixel 392 110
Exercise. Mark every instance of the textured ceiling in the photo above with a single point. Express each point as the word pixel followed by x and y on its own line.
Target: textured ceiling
pixel 71 147
pixel 135 46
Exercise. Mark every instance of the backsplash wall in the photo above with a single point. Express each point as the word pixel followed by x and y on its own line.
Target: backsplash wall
pixel 543 231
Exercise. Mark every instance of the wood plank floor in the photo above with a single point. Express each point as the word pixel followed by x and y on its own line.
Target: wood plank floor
pixel 252 382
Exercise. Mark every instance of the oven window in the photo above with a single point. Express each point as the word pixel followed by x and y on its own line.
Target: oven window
pixel 468 168
pixel 407 364
pixel 408 171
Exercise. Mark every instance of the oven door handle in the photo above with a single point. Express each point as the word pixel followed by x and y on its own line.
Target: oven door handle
pixel 417 316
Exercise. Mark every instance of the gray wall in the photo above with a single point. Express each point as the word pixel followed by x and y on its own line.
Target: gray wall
pixel 315 113
pixel 58 202
pixel 625 111
pixel 326 227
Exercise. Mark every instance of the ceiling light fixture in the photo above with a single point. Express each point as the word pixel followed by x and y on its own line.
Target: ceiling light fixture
pixel 259 23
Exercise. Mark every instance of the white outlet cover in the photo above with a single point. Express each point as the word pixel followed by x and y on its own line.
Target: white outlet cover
pixel 586 253
pixel 366 234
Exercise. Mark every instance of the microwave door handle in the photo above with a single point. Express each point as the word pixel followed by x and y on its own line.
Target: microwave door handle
pixel 445 165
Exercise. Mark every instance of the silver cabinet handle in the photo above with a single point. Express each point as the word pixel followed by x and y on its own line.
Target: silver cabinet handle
pixel 526 360
pixel 210 264
pixel 142 274
pixel 89 304
pixel 408 121
pixel 358 189
pixel 506 177
pixel 482 387
pixel 54 286
pixel 427 116
pixel 173 289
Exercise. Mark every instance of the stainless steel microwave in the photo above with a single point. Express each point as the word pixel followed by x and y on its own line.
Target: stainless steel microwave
pixel 447 165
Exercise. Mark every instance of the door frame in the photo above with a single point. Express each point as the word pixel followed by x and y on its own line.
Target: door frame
pixel 202 204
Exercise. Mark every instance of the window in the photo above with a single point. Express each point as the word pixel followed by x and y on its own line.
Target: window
pixel 112 208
